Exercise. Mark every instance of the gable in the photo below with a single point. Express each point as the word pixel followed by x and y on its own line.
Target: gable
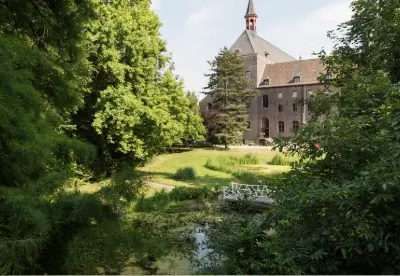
pixel 250 43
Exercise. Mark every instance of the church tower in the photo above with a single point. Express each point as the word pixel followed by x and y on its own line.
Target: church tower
pixel 251 17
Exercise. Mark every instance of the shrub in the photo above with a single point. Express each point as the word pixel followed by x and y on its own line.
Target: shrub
pixel 186 193
pixel 187 173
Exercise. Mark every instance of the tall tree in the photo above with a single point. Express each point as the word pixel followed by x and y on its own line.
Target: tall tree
pixel 135 106
pixel 231 93
pixel 42 75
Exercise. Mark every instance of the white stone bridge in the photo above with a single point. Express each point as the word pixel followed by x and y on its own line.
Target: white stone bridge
pixel 254 193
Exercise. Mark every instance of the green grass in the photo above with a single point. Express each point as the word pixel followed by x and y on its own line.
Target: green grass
pixel 163 167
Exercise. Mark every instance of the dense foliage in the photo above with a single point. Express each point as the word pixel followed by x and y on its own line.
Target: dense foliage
pixel 187 173
pixel 231 93
pixel 84 88
pixel 135 106
pixel 338 209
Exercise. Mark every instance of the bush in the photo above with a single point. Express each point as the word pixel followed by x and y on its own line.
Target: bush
pixel 187 173
pixel 186 193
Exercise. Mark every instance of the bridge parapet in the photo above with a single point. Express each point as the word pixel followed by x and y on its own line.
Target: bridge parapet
pixel 236 191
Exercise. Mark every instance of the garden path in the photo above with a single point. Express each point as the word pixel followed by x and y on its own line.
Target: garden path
pixel 159 186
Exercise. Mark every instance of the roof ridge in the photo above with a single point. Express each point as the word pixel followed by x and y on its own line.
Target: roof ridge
pixel 298 60
pixel 251 42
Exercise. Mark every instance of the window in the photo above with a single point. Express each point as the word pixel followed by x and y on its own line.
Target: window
pixel 265 127
pixel 310 93
pixel 329 76
pixel 209 105
pixel 296 126
pixel 280 95
pixel 248 125
pixel 295 107
pixel 265 101
pixel 248 75
pixel 294 94
pixel 281 127
pixel 297 79
pixel 266 82
pixel 280 108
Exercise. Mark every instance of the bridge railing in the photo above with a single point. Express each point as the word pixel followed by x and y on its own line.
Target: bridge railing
pixel 240 191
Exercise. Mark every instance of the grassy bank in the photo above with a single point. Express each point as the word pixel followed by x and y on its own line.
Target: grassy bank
pixel 164 167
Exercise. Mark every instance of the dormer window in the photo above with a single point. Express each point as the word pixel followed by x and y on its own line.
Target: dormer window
pixel 297 79
pixel 266 82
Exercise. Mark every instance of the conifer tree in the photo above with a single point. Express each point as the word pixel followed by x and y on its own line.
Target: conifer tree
pixel 231 92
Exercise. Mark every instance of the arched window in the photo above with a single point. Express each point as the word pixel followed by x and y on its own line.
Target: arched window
pixel 265 127
pixel 265 101
pixel 281 127
pixel 248 75
pixel 248 125
pixel 296 126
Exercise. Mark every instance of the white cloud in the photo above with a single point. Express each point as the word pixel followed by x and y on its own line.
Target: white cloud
pixel 302 37
pixel 156 4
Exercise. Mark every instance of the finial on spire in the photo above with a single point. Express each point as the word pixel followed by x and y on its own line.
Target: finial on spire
pixel 251 17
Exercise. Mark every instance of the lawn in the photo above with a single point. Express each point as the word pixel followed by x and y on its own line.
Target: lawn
pixel 162 168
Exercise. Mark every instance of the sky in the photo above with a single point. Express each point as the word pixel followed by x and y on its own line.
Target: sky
pixel 195 30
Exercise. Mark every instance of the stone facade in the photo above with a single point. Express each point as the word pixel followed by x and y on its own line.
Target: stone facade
pixel 281 80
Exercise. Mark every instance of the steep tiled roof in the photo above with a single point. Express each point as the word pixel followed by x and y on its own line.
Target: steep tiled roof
pixel 250 8
pixel 282 74
pixel 250 43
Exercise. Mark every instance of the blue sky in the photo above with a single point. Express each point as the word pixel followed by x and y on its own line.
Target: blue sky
pixel 195 30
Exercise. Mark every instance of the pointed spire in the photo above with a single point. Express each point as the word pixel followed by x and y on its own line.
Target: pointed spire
pixel 250 9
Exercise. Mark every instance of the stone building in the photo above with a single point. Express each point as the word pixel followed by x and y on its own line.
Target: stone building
pixel 281 81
